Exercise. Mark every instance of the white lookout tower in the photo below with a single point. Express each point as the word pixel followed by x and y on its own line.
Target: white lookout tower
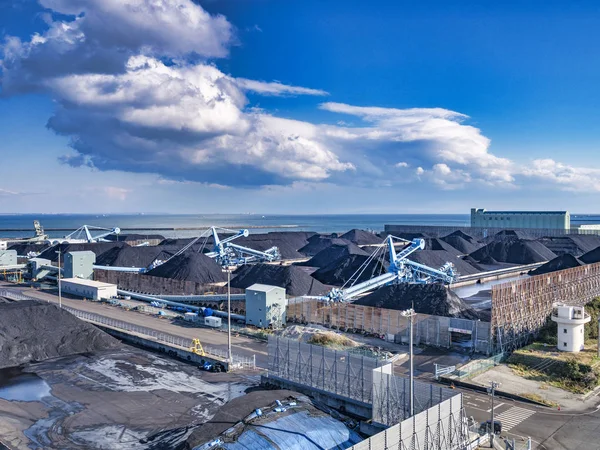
pixel 570 321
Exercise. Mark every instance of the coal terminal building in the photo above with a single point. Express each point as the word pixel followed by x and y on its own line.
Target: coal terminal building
pixel 551 220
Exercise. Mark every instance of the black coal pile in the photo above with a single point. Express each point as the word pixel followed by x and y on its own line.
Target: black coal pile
pixel 24 248
pixel 362 237
pixel 437 258
pixel 513 251
pixel 32 330
pixel 462 242
pixel 591 256
pixel 576 245
pixel 433 299
pixel 318 243
pixel 287 242
pixel 98 248
pixel 513 234
pixel 134 237
pixel 435 244
pixel 345 268
pixel 135 256
pixel 191 266
pixel 561 262
pixel 333 253
pixel 296 280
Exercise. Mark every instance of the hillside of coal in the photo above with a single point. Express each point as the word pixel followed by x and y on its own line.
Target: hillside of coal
pixel 462 242
pixel 296 280
pixel 561 262
pixel 333 253
pixel 191 266
pixel 127 256
pixel 433 299
pixel 287 242
pixel 514 251
pixel 98 248
pixel 318 243
pixel 32 331
pixel 591 257
pixel 437 258
pixel 576 245
pixel 24 248
pixel 347 268
pixel 362 237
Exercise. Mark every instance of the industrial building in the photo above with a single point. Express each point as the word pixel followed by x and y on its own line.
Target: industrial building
pixel 79 264
pixel 265 306
pixel 571 321
pixel 8 257
pixel 94 290
pixel 552 220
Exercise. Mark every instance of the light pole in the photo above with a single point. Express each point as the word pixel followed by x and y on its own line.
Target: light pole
pixel 229 357
pixel 59 286
pixel 492 391
pixel 410 313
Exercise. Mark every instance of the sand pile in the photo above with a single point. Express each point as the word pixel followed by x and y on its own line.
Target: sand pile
pixel 559 263
pixel 294 279
pixel 433 299
pixel 98 248
pixel 135 256
pixel 362 237
pixel 332 253
pixel 591 256
pixel 191 266
pixel 437 258
pixel 462 242
pixel 513 251
pixel 318 243
pixel 31 330
pixel 341 270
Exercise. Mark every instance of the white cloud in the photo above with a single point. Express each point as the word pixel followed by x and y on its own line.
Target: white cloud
pixel 402 164
pixel 567 177
pixel 275 88
pixel 116 193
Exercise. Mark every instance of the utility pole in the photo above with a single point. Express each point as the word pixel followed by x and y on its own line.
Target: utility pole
pixel 59 286
pixel 410 313
pixel 492 391
pixel 229 356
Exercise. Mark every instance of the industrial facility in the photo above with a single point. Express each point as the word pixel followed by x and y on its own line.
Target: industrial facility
pixel 553 220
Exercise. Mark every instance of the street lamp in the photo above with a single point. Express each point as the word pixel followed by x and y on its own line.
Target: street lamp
pixel 59 286
pixel 229 356
pixel 492 392
pixel 410 313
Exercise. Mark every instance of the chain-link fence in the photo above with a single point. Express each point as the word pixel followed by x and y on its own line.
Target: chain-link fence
pixel 478 366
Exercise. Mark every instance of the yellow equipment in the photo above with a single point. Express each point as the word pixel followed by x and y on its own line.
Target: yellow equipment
pixel 197 348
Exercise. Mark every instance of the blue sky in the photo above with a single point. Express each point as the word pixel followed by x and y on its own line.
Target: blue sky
pixel 298 106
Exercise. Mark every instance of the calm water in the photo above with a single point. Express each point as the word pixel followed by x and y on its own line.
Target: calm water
pixel 257 223
pixel 21 386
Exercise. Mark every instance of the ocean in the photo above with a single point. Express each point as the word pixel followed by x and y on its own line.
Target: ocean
pixel 188 225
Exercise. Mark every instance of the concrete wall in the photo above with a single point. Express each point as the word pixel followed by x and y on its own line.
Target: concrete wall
pixel 520 219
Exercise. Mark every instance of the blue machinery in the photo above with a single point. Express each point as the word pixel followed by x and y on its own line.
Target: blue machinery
pixel 400 270
pixel 83 234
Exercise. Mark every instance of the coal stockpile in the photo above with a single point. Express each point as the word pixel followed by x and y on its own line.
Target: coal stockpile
pixel 436 244
pixel 343 269
pixel 437 258
pixel 333 253
pixel 287 242
pixel 462 242
pixel 24 248
pixel 513 251
pixel 191 266
pixel 98 248
pixel 559 263
pixel 362 237
pixel 512 234
pixel 135 256
pixel 318 243
pixel 294 279
pixel 134 237
pixel 576 245
pixel 32 330
pixel 433 299
pixel 591 256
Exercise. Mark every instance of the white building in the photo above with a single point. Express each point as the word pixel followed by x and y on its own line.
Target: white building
pixel 3 245
pixel 94 290
pixel 265 306
pixel 555 220
pixel 571 322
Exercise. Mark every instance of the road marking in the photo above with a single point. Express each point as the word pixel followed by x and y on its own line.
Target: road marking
pixel 472 404
pixel 513 417
pixel 495 406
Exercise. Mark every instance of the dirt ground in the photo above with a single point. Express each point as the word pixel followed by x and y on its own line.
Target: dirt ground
pixel 112 400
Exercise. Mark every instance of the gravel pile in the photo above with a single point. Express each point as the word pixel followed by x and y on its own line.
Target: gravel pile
pixel 433 299
pixel 437 258
pixel 559 263
pixel 362 237
pixel 191 266
pixel 296 280
pixel 332 253
pixel 318 243
pixel 514 251
pixel 462 242
pixel 32 330
pixel 135 256
pixel 341 270
pixel 98 248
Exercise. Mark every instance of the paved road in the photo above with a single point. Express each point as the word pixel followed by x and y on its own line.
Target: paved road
pixel 241 345
pixel 548 428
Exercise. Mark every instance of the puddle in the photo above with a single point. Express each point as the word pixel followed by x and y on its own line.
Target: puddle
pixel 16 385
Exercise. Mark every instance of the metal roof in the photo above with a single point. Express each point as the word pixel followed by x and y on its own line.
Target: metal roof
pixel 262 287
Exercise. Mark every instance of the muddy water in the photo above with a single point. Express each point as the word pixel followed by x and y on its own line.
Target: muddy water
pixel 16 385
